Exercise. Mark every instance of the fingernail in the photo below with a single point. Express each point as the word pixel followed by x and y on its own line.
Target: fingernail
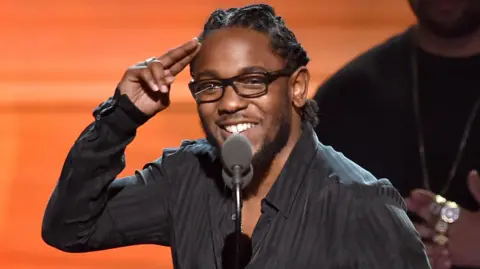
pixel 169 79
pixel 155 87
pixel 167 72
pixel 164 89
pixel 445 252
pixel 447 264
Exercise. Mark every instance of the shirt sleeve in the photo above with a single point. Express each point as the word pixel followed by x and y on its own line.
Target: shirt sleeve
pixel 90 209
pixel 379 233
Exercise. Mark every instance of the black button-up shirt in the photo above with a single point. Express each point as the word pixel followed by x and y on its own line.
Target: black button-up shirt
pixel 323 211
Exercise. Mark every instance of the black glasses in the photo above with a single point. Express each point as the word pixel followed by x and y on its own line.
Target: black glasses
pixel 249 85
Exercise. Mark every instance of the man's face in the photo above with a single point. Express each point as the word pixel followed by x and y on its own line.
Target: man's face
pixel 448 18
pixel 230 52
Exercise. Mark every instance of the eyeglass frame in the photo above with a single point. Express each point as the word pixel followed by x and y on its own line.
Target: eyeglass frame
pixel 270 76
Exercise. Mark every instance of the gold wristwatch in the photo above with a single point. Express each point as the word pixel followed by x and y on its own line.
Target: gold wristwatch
pixel 449 213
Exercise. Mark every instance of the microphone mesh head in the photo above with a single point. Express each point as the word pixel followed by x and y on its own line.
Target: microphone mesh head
pixel 237 150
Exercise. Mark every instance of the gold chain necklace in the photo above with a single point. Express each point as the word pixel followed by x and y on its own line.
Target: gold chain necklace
pixel 420 133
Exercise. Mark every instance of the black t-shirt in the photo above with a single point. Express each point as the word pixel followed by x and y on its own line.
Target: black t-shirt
pixel 449 89
pixel 367 113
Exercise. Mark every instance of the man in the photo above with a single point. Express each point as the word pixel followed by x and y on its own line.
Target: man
pixel 310 207
pixel 407 110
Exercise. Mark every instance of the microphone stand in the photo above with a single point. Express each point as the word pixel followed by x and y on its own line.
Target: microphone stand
pixel 237 182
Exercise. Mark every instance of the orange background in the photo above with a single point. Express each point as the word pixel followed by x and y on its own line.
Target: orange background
pixel 59 59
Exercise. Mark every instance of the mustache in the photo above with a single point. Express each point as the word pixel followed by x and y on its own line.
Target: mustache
pixel 233 117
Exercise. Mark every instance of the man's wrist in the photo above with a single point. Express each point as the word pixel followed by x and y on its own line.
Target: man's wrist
pixel 120 113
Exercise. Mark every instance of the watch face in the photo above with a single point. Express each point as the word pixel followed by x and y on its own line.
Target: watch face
pixel 450 213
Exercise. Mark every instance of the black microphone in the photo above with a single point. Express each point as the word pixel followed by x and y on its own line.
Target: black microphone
pixel 237 173
pixel 236 158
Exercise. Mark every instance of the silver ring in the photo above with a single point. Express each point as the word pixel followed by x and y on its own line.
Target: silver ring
pixel 149 60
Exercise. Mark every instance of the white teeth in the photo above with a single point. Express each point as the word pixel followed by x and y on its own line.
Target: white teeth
pixel 238 128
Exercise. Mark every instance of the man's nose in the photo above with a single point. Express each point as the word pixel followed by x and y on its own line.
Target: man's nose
pixel 231 102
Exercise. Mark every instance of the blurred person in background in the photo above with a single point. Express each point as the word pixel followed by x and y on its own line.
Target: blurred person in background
pixel 308 207
pixel 408 110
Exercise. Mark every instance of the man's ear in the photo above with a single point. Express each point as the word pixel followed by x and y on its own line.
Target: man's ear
pixel 299 82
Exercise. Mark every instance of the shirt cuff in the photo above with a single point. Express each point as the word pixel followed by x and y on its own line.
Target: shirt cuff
pixel 120 113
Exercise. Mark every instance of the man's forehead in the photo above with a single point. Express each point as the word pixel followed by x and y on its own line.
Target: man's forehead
pixel 234 49
pixel 239 39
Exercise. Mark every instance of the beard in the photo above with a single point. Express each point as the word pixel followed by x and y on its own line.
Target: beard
pixel 262 160
pixel 465 25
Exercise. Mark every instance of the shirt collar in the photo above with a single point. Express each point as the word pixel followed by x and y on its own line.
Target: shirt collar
pixel 285 189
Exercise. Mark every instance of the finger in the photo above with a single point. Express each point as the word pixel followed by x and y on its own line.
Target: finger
pixel 425 212
pixel 421 196
pixel 433 250
pixel 411 205
pixel 177 54
pixel 436 254
pixel 442 259
pixel 424 231
pixel 474 185
pixel 180 65
pixel 146 78
pixel 422 211
pixel 443 262
pixel 169 78
pixel 420 202
pixel 158 73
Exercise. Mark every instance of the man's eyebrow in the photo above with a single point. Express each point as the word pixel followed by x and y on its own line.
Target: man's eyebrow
pixel 251 69
pixel 207 73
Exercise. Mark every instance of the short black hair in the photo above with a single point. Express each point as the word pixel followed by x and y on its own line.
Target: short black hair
pixel 262 18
